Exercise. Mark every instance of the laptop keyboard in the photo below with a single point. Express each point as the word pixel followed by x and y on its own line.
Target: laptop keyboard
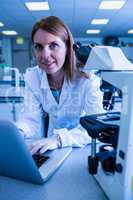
pixel 39 159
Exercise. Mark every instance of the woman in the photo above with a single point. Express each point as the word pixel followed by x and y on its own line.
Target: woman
pixel 57 87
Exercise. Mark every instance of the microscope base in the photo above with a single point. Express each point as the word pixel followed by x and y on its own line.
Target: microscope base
pixel 110 183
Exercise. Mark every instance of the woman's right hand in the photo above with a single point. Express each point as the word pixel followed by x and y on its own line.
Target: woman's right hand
pixel 43 145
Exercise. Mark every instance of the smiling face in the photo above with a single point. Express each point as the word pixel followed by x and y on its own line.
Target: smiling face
pixel 50 51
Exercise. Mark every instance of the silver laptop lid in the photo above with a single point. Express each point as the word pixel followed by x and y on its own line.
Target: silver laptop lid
pixel 15 158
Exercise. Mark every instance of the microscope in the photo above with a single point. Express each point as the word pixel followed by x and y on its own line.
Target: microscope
pixel 111 161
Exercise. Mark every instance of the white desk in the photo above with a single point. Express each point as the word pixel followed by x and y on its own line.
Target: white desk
pixel 71 182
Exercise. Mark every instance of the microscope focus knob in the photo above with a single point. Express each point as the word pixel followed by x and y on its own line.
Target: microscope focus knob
pixel 119 168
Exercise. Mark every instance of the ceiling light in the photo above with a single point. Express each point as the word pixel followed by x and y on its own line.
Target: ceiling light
pixel 93 31
pixel 7 32
pixel 130 31
pixel 36 6
pixel 111 4
pixel 1 24
pixel 99 21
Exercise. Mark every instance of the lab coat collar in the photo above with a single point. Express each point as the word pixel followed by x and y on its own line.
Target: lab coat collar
pixel 44 81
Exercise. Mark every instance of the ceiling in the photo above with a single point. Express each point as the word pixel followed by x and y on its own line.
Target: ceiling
pixel 77 14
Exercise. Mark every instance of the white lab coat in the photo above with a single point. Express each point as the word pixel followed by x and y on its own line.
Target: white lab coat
pixel 81 97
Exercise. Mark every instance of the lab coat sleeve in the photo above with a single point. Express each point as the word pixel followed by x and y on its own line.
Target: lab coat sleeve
pixel 30 121
pixel 78 136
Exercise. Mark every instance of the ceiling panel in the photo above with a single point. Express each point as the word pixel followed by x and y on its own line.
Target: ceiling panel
pixel 77 14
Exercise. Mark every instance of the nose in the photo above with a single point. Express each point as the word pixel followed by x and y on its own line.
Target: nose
pixel 45 53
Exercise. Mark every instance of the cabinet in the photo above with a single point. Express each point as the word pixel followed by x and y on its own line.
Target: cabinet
pixel 11 104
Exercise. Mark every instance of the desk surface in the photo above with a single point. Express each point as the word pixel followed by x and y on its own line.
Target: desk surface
pixel 71 181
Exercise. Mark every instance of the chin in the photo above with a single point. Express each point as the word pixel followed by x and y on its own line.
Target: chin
pixel 51 71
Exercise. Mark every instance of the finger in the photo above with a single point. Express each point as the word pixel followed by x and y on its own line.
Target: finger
pixel 33 145
pixel 44 149
pixel 36 148
pixel 30 146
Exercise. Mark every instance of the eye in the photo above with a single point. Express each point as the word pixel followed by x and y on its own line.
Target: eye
pixel 37 47
pixel 53 45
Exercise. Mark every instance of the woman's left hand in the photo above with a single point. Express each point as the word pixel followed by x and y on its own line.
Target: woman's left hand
pixel 43 145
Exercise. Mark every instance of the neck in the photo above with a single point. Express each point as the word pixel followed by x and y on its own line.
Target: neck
pixel 56 80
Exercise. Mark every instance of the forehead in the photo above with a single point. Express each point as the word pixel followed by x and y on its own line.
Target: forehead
pixel 44 37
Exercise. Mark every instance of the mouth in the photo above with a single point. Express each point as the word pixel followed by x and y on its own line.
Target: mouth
pixel 46 62
pixel 48 65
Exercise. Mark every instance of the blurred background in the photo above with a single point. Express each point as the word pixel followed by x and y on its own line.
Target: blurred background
pixel 99 21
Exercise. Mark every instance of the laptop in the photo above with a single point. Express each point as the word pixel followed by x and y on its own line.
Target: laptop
pixel 17 162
